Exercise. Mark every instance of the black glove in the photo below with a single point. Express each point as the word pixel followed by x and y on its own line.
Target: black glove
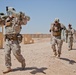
pixel 50 30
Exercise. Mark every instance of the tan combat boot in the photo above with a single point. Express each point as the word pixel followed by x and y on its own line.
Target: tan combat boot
pixel 58 55
pixel 23 64
pixel 7 70
pixel 55 53
pixel 70 48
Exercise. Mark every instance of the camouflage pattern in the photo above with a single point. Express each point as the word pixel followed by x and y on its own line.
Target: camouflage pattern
pixel 16 49
pixel 70 33
pixel 57 40
pixel 13 38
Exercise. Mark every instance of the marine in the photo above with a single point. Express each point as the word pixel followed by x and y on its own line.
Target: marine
pixel 70 33
pixel 13 24
pixel 56 38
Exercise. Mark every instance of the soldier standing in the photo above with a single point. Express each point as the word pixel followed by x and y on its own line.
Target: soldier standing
pixel 56 31
pixel 13 39
pixel 70 32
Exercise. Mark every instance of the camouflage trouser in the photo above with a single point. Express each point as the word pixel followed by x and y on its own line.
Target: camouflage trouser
pixel 57 41
pixel 70 42
pixel 15 47
pixel 66 38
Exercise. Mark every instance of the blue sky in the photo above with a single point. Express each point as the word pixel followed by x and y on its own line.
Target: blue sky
pixel 43 13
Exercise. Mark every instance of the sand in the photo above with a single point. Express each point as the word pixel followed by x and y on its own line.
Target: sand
pixel 41 61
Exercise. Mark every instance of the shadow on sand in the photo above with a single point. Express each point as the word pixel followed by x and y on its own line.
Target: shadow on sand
pixel 74 49
pixel 70 61
pixel 34 69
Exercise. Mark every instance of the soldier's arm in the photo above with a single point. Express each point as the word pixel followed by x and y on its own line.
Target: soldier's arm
pixel 63 27
pixel 73 31
pixel 51 28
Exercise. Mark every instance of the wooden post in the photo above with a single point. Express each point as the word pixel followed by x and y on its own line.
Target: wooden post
pixel 2 35
pixel 1 38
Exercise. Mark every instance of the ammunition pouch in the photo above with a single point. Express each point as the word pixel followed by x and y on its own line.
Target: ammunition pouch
pixel 19 38
pixel 56 33
pixel 14 37
pixel 11 37
pixel 8 23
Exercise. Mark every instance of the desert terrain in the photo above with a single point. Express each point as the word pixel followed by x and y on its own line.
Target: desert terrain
pixel 41 61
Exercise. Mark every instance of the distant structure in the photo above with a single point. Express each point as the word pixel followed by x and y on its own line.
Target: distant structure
pixel 28 39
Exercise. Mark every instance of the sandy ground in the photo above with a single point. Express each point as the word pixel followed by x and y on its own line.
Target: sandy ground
pixel 40 60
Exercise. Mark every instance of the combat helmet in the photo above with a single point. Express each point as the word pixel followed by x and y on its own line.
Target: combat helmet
pixel 56 20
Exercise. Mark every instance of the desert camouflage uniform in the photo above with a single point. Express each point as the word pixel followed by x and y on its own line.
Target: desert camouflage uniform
pixel 70 38
pixel 57 39
pixel 13 22
pixel 12 42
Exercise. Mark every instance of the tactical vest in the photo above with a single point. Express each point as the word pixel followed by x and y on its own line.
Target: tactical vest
pixel 12 31
pixel 70 32
pixel 57 30
pixel 12 28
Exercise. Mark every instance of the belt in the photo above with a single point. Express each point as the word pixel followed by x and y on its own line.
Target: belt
pixel 11 36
